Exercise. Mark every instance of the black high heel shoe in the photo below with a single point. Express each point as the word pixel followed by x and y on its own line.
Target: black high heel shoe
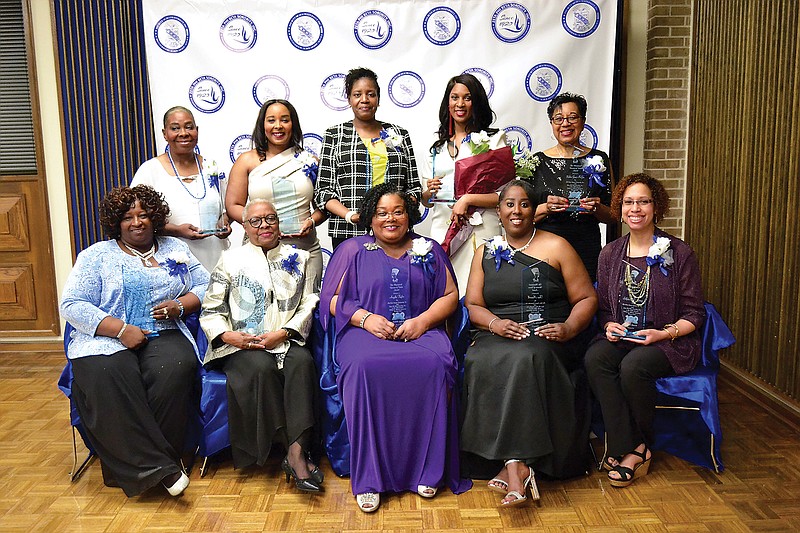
pixel 316 474
pixel 306 485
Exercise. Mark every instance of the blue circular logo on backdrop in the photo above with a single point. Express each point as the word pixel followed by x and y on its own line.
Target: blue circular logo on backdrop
pixel 484 77
pixel 207 94
pixel 269 87
pixel 238 33
pixel 332 92
pixel 543 82
pixel 517 136
pixel 580 18
pixel 511 22
pixel 373 29
pixel 588 136
pixel 305 31
pixel 171 34
pixel 406 89
pixel 240 145
pixel 312 143
pixel 441 26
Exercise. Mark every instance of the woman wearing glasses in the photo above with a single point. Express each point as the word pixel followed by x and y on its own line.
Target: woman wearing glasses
pixel 651 310
pixel 389 294
pixel 257 316
pixel 573 182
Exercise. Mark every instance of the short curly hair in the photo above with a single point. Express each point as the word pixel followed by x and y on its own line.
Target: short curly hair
pixel 657 191
pixel 565 98
pixel 369 204
pixel 118 201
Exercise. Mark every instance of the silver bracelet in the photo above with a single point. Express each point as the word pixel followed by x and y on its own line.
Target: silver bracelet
pixel 364 319
pixel 122 330
pixel 489 327
pixel 181 306
pixel 349 217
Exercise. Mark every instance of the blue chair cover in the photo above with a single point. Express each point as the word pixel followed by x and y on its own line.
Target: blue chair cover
pixel 65 384
pixel 193 431
pixel 678 428
pixel 334 429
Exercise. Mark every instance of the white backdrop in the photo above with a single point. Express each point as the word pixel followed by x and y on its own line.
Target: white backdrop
pixel 222 58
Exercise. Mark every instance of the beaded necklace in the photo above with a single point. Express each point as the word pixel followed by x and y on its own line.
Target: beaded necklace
pixel 178 177
pixel 144 257
pixel 638 291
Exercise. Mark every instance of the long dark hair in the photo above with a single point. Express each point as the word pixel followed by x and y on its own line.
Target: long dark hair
pixel 482 114
pixel 259 140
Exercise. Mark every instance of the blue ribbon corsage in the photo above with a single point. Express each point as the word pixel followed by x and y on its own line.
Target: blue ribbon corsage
pixel 213 179
pixel 291 264
pixel 594 173
pixel 176 268
pixel 660 254
pixel 425 261
pixel 500 250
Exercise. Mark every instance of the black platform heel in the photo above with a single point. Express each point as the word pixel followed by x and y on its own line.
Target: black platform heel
pixel 306 485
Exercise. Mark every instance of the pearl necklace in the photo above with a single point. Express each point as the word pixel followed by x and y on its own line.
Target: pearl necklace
pixel 178 177
pixel 144 257
pixel 523 248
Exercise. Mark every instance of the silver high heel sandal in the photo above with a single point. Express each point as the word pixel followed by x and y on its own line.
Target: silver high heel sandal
pixel 523 496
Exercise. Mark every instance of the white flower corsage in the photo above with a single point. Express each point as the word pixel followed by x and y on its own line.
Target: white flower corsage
pixel 391 138
pixel 660 254
pixel 421 254
pixel 594 169
pixel 478 142
pixel 498 248
pixel 310 165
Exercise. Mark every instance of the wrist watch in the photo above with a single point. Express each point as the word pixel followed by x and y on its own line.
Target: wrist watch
pixel 291 334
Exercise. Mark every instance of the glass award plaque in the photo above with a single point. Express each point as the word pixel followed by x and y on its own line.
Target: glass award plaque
pixel 633 296
pixel 209 216
pixel 447 193
pixel 398 296
pixel 576 186
pixel 533 295
pixel 285 194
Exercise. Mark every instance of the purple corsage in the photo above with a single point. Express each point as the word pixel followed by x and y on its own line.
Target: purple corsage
pixel 291 264
pixel 594 169
pixel 660 254
pixel 500 250
pixel 421 254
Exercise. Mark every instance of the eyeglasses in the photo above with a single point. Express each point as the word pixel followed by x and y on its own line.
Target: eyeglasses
pixel 256 222
pixel 641 203
pixel 571 119
pixel 383 215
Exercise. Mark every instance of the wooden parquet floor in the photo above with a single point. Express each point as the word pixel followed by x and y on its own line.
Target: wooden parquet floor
pixel 759 491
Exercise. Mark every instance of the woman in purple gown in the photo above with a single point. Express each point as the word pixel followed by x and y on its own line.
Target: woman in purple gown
pixel 390 293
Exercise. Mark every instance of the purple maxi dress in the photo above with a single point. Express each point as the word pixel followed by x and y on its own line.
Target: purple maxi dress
pixel 398 396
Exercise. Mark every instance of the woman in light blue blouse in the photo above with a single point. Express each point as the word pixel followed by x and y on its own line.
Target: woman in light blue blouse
pixel 132 356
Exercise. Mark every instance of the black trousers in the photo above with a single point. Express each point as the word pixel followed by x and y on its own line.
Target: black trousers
pixel 267 404
pixel 623 377
pixel 135 406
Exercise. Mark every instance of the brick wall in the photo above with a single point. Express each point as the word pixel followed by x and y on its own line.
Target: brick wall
pixel 669 31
